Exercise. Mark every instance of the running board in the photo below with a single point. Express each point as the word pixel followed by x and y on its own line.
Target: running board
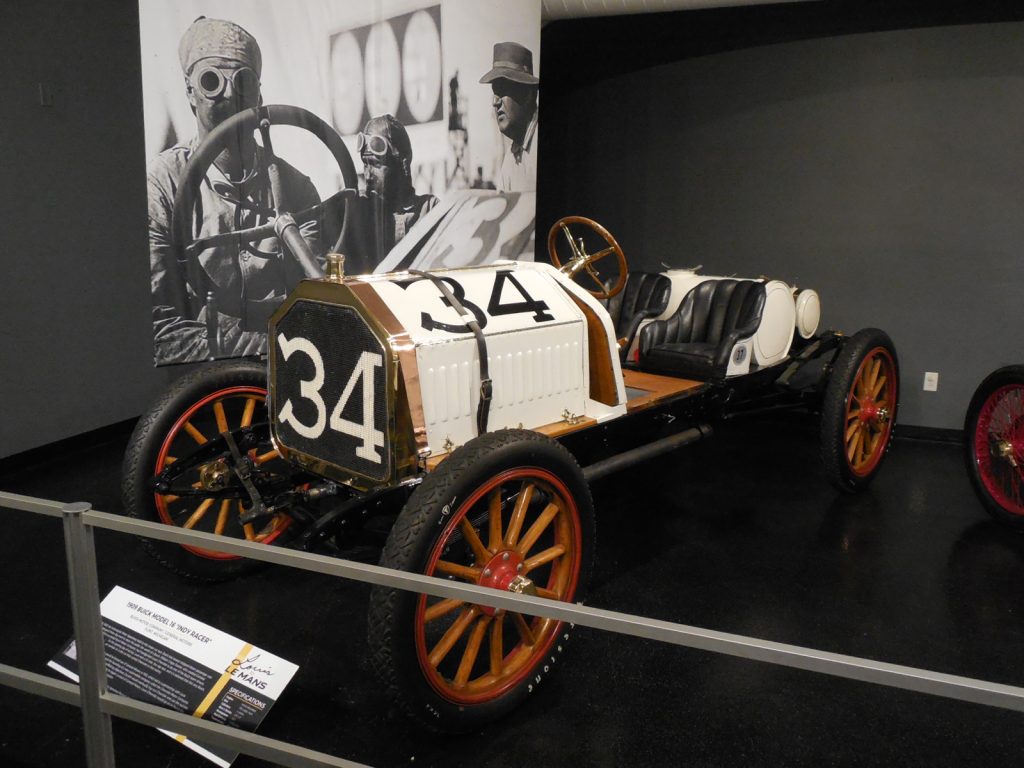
pixel 632 457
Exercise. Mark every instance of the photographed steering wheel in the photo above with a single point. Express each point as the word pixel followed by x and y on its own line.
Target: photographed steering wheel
pixel 258 118
pixel 581 261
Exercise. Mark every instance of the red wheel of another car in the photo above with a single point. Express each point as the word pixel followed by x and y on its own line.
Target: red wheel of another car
pixel 994 442
pixel 509 511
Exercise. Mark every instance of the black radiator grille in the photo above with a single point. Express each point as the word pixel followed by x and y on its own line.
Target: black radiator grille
pixel 309 415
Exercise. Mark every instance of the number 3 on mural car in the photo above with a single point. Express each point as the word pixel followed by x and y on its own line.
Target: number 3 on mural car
pixel 309 389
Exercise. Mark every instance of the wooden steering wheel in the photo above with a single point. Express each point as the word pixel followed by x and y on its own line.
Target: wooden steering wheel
pixel 581 261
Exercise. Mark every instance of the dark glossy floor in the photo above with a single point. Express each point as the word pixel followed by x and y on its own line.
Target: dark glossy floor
pixel 739 534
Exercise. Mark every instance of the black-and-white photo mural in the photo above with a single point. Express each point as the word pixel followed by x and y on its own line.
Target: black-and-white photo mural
pixel 401 134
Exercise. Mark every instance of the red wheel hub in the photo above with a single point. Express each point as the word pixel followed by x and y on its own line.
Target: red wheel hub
pixel 869 411
pixel 498 573
pixel 1011 447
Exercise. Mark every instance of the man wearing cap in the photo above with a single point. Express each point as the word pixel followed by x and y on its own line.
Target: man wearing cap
pixel 241 282
pixel 386 152
pixel 515 107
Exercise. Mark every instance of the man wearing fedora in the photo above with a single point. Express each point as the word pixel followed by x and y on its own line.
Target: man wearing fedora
pixel 515 107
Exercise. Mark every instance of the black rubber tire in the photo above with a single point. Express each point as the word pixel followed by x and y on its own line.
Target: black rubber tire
pixel 1002 507
pixel 421 528
pixel 838 398
pixel 144 447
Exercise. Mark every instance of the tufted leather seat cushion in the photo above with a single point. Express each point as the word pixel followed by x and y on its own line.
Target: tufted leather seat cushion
pixel 645 295
pixel 697 341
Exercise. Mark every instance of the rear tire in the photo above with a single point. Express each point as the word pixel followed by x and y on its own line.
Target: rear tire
pixel 994 444
pixel 502 500
pixel 859 410
pixel 235 392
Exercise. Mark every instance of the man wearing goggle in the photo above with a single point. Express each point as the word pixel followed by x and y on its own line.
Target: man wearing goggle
pixel 226 81
pixel 239 284
pixel 372 146
pixel 386 152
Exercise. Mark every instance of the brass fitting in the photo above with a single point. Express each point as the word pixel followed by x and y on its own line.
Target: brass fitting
pixel 335 271
pixel 215 476
pixel 522 586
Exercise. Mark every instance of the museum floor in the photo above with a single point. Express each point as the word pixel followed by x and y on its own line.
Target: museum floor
pixel 739 534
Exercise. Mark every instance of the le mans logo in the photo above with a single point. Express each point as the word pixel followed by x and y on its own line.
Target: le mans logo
pixel 246 671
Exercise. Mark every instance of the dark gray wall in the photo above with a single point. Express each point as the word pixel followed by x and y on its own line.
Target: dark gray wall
pixel 882 169
pixel 886 170
pixel 75 339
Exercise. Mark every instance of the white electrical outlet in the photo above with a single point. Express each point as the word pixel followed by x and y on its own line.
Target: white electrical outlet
pixel 931 381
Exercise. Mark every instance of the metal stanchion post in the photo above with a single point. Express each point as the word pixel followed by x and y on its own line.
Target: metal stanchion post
pixel 85 611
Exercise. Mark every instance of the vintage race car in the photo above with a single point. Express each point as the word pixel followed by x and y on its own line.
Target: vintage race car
pixel 465 411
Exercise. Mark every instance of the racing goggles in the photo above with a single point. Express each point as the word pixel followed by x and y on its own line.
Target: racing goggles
pixel 212 82
pixel 373 144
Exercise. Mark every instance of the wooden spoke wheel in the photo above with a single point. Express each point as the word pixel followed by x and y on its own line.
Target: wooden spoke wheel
pixel 577 261
pixel 994 443
pixel 859 409
pixel 867 412
pixel 226 409
pixel 528 541
pixel 206 494
pixel 509 511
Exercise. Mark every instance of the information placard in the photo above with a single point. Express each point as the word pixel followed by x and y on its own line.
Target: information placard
pixel 158 655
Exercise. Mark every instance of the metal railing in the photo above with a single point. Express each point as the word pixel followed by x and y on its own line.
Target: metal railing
pixel 98 704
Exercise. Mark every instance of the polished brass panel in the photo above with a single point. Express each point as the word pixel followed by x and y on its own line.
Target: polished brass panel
pixel 408 368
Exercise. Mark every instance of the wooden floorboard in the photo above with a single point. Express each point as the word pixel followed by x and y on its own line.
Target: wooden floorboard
pixel 656 388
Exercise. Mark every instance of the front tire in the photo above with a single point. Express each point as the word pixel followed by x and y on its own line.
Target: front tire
pixel 994 444
pixel 196 408
pixel 507 504
pixel 859 410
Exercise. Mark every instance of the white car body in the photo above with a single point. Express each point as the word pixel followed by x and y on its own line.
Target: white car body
pixel 541 331
pixel 540 369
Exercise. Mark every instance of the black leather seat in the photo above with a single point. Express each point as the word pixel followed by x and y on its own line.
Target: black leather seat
pixel 698 340
pixel 645 295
